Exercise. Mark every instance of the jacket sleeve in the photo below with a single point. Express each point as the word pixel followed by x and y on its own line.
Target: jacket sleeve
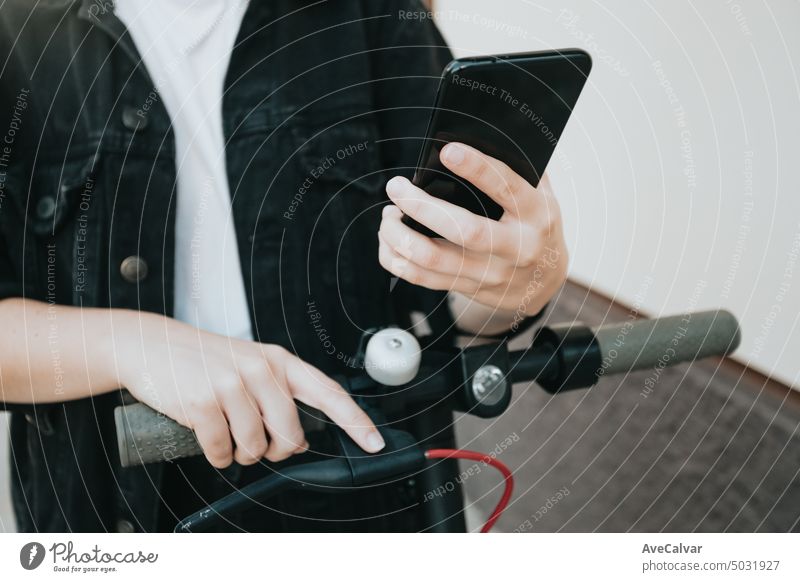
pixel 10 285
pixel 11 223
pixel 12 148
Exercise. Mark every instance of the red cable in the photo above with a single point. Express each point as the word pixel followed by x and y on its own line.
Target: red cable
pixel 473 456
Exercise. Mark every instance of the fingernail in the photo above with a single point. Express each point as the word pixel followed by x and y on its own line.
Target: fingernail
pixel 454 153
pixel 393 185
pixel 375 442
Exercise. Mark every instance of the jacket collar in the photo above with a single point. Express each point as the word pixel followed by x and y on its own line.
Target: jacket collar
pixel 100 13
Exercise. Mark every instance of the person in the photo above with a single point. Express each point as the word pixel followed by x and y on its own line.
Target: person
pixel 195 214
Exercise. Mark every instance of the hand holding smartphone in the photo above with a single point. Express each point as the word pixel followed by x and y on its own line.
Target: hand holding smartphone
pixel 510 107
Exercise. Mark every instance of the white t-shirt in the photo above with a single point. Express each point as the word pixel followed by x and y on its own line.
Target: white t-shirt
pixel 186 47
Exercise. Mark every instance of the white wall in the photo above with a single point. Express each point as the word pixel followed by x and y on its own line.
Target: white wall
pixel 678 175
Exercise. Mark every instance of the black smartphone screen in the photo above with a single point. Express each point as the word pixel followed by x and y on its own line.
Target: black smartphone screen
pixel 512 107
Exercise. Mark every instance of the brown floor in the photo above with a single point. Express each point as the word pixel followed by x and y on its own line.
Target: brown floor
pixel 710 449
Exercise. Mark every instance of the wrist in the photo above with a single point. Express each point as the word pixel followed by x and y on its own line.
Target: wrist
pixel 118 345
pixel 497 323
pixel 474 317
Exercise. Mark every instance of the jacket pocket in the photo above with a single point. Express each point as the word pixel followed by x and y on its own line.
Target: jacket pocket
pixel 342 177
pixel 57 190
pixel 342 156
pixel 62 219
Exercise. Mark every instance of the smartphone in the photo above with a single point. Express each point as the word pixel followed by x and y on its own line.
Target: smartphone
pixel 512 107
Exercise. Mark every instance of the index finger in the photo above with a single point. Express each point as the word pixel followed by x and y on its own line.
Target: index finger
pixel 314 388
pixel 491 176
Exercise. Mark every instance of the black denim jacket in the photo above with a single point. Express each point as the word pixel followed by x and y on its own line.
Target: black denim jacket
pixel 323 101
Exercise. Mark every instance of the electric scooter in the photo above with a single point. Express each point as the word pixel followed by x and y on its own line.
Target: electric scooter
pixel 396 375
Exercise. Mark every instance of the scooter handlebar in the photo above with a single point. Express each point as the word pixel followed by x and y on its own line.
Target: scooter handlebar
pixel 146 436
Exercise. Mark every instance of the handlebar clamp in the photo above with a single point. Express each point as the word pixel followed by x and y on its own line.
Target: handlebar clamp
pixel 578 353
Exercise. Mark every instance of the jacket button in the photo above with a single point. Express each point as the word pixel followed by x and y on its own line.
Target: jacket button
pixel 125 526
pixel 132 120
pixel 133 269
pixel 46 208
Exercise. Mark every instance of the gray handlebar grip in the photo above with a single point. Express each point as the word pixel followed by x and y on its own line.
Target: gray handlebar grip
pixel 146 436
pixel 665 341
